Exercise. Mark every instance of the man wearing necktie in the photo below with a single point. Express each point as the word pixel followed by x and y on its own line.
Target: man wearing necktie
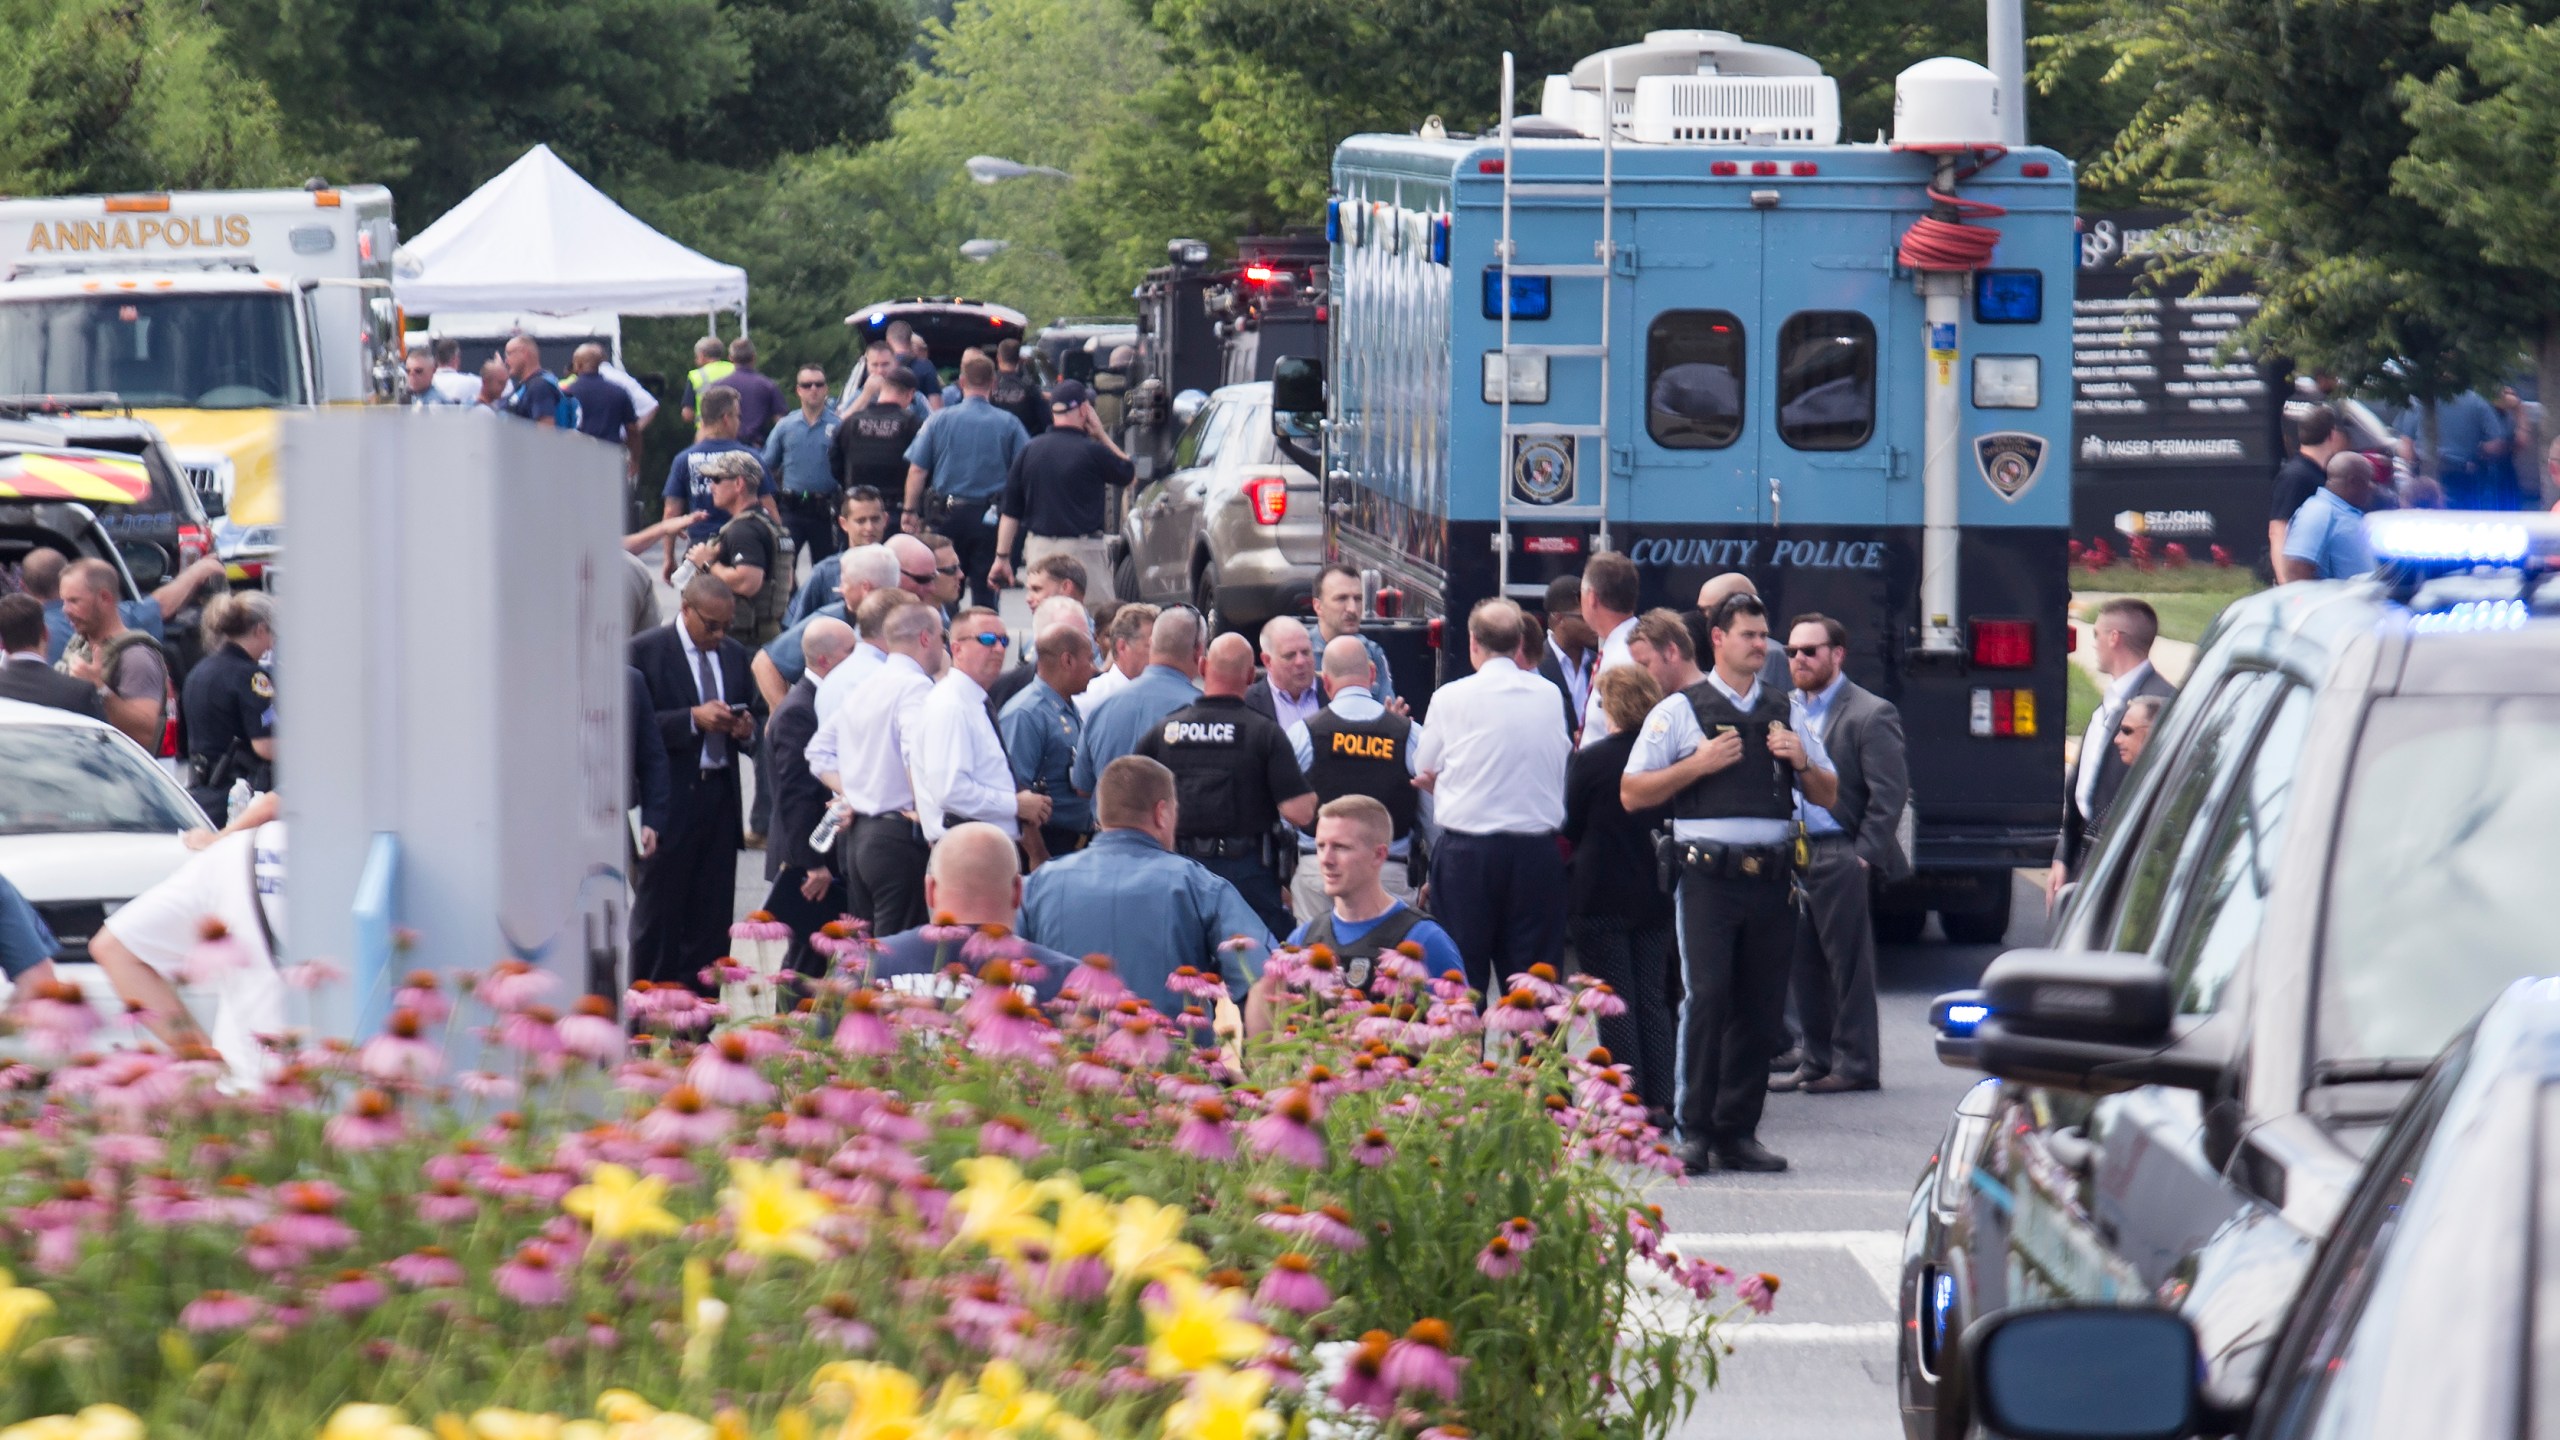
pixel 2123 633
pixel 705 704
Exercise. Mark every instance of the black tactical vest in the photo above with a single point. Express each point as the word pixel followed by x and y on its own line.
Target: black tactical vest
pixel 1759 786
pixel 1365 757
pixel 1358 961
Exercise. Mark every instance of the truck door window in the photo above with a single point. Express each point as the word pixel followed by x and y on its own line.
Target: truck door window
pixel 1693 379
pixel 1826 380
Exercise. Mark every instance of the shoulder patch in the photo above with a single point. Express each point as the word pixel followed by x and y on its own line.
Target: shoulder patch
pixel 262 685
pixel 1658 725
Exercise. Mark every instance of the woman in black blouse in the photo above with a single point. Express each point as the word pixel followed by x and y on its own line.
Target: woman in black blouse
pixel 1621 921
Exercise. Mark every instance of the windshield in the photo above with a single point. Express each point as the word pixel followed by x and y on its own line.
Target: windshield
pixel 2440 890
pixel 198 352
pixel 75 779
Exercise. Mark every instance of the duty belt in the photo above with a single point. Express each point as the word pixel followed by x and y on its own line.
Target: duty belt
pixel 1221 847
pixel 1723 859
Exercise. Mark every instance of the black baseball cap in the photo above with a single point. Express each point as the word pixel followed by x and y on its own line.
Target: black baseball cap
pixel 1068 394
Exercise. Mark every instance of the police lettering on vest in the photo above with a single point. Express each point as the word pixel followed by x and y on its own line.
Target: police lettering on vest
pixel 1759 786
pixel 1365 757
pixel 1196 732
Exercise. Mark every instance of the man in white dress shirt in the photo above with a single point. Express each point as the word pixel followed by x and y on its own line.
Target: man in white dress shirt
pixel 1609 607
pixel 871 618
pixel 884 850
pixel 956 754
pixel 1493 758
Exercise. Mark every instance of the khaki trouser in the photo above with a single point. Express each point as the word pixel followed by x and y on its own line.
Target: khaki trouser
pixel 1092 552
pixel 1306 888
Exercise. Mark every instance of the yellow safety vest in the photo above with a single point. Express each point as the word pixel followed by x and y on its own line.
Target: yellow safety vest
pixel 703 377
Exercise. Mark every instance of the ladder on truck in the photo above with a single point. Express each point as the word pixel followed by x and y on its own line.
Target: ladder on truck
pixel 1588 444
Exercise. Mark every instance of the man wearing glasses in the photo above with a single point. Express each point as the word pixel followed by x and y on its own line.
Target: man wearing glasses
pixel 956 752
pixel 796 455
pixel 706 709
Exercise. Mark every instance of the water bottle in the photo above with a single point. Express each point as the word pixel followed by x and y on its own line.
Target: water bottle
pixel 823 839
pixel 684 574
pixel 237 801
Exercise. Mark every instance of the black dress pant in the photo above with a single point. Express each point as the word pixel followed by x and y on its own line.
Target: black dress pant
pixel 974 540
pixel 1259 887
pixel 1835 965
pixel 1634 958
pixel 811 522
pixel 1502 900
pixel 680 914
pixel 888 859
pixel 1737 936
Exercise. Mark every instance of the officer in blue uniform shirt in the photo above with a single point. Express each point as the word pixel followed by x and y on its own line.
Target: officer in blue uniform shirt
pixel 1041 726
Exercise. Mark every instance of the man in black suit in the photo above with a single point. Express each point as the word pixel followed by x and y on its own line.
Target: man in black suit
pixel 705 701
pixel 24 675
pixel 1287 693
pixel 806 893
pixel 652 781
pixel 1856 845
pixel 2121 640
pixel 1571 655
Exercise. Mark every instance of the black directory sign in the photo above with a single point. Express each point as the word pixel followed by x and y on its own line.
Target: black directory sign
pixel 2172 418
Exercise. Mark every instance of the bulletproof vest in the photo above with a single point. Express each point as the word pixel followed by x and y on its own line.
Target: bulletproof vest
pixel 1014 393
pixel 1359 960
pixel 1110 398
pixel 112 657
pixel 1217 771
pixel 1365 757
pixel 874 440
pixel 1759 786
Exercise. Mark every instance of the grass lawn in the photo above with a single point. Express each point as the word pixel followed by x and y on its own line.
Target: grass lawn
pixel 2186 599
pixel 2081 694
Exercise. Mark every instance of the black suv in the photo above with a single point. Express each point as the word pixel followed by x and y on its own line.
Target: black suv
pixel 2336 850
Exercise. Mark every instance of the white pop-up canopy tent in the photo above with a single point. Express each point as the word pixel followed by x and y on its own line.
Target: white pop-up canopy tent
pixel 539 238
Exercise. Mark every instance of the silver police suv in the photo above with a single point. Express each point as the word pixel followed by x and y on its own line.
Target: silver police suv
pixel 2336 850
pixel 1231 527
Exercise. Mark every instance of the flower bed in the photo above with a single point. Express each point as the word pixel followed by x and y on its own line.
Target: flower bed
pixel 887 1215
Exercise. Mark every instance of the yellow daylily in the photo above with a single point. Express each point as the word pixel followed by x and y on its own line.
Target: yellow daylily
pixel 618 1204
pixel 621 1407
pixel 997 1207
pixel 496 1424
pixel 19 1308
pixel 771 1213
pixel 666 1425
pixel 1085 1226
pixel 96 1422
pixel 370 1422
pixel 881 1402
pixel 1222 1404
pixel 1146 1243
pixel 1002 1407
pixel 1197 1326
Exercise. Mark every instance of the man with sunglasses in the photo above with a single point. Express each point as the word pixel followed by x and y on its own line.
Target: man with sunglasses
pixel 956 752
pixel 707 709
pixel 796 455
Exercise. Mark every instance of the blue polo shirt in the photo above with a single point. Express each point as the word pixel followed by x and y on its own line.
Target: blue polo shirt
pixel 968 448
pixel 25 943
pixel 1041 728
pixel 2463 424
pixel 1439 952
pixel 1150 910
pixel 1123 718
pixel 796 451
pixel 2329 533
pixel 785 650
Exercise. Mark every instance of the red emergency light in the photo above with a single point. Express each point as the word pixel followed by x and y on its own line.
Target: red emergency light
pixel 1261 274
pixel 2004 644
pixel 1723 167
pixel 1804 167
pixel 1488 167
pixel 1764 167
pixel 2035 169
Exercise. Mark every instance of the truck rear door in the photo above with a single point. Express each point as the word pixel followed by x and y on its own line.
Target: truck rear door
pixel 1692 314
pixel 1826 316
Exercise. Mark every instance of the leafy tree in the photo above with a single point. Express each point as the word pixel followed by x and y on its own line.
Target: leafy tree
pixel 820 73
pixel 127 95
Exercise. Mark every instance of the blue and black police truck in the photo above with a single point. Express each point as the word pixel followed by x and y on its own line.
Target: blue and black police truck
pixel 1675 315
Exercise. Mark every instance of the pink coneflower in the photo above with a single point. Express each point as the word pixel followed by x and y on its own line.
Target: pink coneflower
pixel 1421 1361
pixel 215 1311
pixel 1287 1130
pixel 1187 980
pixel 1330 1226
pixel 351 1294
pixel 995 979
pixel 485 1085
pixel 895 1121
pixel 512 985
pixel 1094 982
pixel 214 955
pixel 532 1278
pixel 1013 1030
pixel 1759 1291
pixel 1292 1285
pixel 445 1203
pixel 425 1268
pixel 764 1041
pixel 1137 1040
pixel 422 992
pixel 1372 1149
pixel 1397 973
pixel 1364 1376
pixel 309 1218
pixel 1094 1075
pixel 591 1033
pixel 682 1117
pixel 1010 1135
pixel 1519 1013
pixel 1080 1281
pixel 1520 1231
pixel 1599 999
pixel 135 1151
pixel 58 1018
pixel 1539 980
pixel 724 1073
pixel 1204 1133
pixel 805 1127
pixel 401 1051
pixel 1499 1259
pixel 862 1031
pixel 533 1031
pixel 370 1121
pixel 835 1321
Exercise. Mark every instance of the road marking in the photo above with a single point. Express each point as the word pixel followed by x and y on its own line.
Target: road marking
pixel 1808 1332
pixel 1877 1252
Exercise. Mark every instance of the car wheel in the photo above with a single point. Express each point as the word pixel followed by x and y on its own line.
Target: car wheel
pixel 1204 598
pixel 1124 579
pixel 1900 927
pixel 1978 927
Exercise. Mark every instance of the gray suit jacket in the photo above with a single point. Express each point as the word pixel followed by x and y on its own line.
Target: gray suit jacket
pixel 2077 828
pixel 1865 742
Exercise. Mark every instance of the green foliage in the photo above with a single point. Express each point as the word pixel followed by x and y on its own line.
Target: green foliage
pixel 100 95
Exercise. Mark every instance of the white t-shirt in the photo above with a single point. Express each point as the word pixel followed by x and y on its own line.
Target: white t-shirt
pixel 232 880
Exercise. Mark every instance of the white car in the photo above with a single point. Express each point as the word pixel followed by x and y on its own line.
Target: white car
pixel 87 822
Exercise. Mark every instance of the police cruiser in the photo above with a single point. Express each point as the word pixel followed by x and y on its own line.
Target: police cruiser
pixel 1676 315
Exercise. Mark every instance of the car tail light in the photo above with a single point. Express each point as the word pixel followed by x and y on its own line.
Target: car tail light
pixel 2004 644
pixel 193 545
pixel 1269 495
pixel 1388 602
pixel 2003 714
pixel 1431 632
pixel 1764 167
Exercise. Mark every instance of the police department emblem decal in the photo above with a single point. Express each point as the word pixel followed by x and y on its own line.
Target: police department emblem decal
pixel 1541 469
pixel 1172 732
pixel 261 686
pixel 2011 460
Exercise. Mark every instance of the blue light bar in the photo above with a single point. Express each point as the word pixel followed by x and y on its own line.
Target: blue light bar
pixel 2473 615
pixel 1962 1019
pixel 1333 221
pixel 1530 297
pixel 2461 536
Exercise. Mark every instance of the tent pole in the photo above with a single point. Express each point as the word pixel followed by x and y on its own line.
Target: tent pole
pixel 742 317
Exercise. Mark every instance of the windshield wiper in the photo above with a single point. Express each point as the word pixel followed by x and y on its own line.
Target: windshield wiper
pixel 2365 1072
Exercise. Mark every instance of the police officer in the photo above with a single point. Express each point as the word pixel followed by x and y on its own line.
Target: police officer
pixel 1237 779
pixel 230 702
pixel 1356 746
pixel 1722 755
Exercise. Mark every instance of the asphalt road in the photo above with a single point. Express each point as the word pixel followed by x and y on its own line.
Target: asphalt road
pixel 1820 1366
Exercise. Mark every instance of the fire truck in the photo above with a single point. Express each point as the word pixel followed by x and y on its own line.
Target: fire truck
pixel 1675 314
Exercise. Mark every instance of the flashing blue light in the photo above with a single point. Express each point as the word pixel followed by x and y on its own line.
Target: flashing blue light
pixel 2451 536
pixel 2473 615
pixel 879 317
pixel 1530 297
pixel 1439 239
pixel 1333 221
pixel 2008 297
pixel 1962 1019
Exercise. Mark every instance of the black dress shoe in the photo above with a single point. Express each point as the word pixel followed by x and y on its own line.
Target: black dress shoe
pixel 1696 1159
pixel 1833 1085
pixel 1802 1079
pixel 1786 1060
pixel 1749 1155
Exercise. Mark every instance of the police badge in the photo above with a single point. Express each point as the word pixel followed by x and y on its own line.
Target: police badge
pixel 2011 460
pixel 1542 469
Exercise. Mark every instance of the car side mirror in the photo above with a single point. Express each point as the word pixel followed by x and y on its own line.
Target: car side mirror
pixel 1297 397
pixel 1187 407
pixel 2096 1022
pixel 2086 1373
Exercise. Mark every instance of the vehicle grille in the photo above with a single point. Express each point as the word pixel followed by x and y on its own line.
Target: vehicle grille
pixel 72 923
pixel 206 479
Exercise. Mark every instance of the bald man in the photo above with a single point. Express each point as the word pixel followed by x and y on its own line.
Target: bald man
pixel 975 879
pixel 1237 778
pixel 806 892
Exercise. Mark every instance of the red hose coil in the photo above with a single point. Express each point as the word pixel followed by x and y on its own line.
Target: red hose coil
pixel 1935 244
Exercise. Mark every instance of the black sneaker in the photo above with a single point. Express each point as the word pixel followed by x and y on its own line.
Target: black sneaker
pixel 1749 1155
pixel 1696 1158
